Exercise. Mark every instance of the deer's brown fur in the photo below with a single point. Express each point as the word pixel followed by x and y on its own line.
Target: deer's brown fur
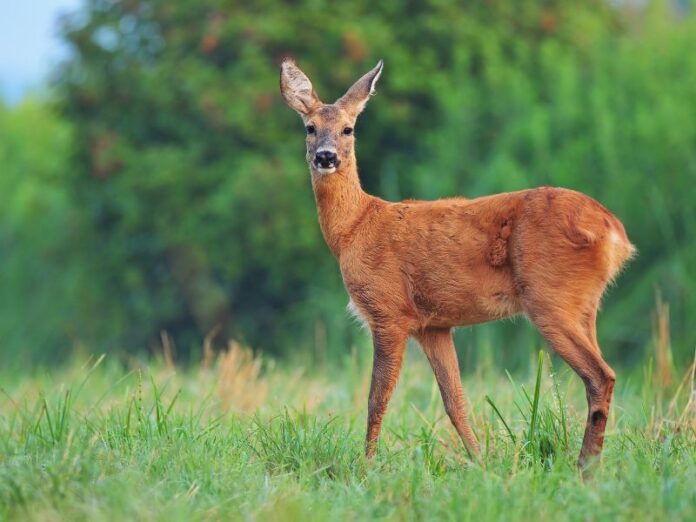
pixel 419 268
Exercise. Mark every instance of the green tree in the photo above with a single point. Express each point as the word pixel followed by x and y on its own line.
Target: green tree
pixel 190 169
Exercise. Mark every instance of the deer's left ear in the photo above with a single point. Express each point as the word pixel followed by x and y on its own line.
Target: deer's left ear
pixel 355 99
pixel 297 89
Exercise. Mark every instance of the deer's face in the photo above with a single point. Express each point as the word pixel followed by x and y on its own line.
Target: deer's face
pixel 329 127
pixel 330 138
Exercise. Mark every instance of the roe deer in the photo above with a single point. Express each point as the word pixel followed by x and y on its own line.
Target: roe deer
pixel 420 268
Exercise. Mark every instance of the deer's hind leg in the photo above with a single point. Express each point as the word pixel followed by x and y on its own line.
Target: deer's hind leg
pixel 568 325
pixel 439 348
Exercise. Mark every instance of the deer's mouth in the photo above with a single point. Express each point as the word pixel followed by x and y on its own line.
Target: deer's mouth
pixel 326 160
pixel 327 166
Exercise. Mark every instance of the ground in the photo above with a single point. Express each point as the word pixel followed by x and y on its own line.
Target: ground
pixel 240 438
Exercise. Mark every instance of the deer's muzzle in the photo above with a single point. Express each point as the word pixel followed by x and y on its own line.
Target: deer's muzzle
pixel 326 159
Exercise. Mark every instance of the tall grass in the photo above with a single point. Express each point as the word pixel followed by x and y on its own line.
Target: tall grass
pixel 242 438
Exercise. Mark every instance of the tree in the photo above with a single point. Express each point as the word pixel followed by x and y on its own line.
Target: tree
pixel 190 168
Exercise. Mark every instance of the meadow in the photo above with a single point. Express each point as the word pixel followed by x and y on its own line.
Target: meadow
pixel 237 437
pixel 158 185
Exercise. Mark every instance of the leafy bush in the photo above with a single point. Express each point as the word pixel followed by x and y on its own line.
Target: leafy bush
pixel 188 174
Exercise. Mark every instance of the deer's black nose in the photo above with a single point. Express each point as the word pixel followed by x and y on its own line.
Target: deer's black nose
pixel 326 159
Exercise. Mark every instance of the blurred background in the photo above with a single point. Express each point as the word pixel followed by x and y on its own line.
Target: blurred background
pixel 153 188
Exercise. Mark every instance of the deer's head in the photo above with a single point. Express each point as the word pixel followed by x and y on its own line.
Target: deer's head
pixel 330 138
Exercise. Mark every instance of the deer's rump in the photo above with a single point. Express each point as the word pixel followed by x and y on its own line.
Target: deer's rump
pixel 457 262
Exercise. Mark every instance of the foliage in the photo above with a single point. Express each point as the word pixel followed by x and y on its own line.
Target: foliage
pixel 184 203
pixel 43 262
pixel 97 441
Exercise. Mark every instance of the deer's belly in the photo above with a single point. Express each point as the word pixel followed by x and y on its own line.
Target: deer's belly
pixel 480 309
pixel 465 300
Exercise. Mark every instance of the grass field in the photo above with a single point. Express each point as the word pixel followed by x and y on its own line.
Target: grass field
pixel 240 438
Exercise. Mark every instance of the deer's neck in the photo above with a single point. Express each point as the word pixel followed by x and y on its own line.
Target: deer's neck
pixel 341 203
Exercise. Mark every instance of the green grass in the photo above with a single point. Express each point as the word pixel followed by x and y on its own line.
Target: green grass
pixel 243 440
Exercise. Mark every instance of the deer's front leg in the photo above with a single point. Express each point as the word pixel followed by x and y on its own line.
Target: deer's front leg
pixel 439 348
pixel 389 345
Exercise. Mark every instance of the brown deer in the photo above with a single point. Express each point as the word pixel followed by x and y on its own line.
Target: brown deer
pixel 420 268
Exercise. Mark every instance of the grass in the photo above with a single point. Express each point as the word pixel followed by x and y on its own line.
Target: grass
pixel 241 438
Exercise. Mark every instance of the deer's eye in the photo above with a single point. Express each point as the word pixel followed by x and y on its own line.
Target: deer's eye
pixel 311 129
pixel 347 131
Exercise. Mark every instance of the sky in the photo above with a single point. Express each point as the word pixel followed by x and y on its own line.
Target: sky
pixel 29 44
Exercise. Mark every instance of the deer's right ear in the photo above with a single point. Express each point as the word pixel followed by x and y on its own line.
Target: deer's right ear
pixel 297 89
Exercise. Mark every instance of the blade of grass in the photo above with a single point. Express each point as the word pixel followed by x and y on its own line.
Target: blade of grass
pixel 535 404
pixel 502 419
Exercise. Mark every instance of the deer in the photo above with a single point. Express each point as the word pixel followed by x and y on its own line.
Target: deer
pixel 418 269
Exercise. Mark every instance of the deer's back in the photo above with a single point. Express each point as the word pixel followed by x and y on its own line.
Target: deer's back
pixel 457 261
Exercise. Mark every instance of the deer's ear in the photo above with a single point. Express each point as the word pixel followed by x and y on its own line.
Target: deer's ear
pixel 355 99
pixel 297 89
